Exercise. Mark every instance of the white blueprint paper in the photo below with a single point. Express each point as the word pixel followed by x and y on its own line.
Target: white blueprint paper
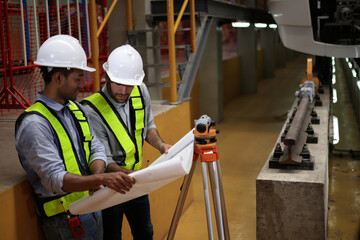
pixel 167 168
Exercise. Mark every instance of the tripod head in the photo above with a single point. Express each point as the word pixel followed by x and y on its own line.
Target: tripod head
pixel 205 148
pixel 204 133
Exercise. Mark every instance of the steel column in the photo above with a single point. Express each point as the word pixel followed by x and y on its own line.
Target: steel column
pixel 94 45
pixel 172 56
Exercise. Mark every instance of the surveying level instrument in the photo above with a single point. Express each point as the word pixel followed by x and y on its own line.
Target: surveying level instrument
pixel 205 147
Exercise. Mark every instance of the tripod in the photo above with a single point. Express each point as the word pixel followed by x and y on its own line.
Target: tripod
pixel 205 147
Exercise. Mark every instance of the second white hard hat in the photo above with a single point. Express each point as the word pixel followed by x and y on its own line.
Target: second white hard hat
pixel 62 51
pixel 124 66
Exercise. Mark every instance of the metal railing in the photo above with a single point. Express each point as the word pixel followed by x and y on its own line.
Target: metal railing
pixel 172 27
pixel 95 33
pixel 171 41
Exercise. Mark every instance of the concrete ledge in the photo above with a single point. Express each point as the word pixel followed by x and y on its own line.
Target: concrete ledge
pixel 11 172
pixel 293 204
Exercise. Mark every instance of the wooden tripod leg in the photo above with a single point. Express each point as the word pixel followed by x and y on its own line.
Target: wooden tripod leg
pixel 180 204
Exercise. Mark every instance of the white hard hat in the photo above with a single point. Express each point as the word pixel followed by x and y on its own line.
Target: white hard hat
pixel 125 66
pixel 62 51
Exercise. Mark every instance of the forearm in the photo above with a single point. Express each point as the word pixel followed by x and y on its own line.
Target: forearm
pixel 79 183
pixel 117 181
pixel 153 138
pixel 97 166
pixel 113 167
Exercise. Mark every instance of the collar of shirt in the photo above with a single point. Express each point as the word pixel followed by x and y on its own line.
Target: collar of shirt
pixel 51 103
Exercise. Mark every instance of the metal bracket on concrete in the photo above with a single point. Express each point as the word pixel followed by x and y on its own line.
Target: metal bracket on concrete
pixel 318 101
pixel 314 117
pixel 297 133
pixel 312 137
pixel 307 162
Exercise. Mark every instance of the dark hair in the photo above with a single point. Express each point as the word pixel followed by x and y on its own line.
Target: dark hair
pixel 47 75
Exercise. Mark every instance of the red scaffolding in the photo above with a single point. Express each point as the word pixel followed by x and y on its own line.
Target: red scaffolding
pixel 24 26
pixel 10 97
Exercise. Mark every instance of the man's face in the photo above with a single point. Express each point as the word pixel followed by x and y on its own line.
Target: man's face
pixel 119 92
pixel 71 86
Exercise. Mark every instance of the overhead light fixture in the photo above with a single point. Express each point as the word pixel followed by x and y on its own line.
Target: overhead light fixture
pixel 260 25
pixel 350 64
pixel 336 136
pixel 333 79
pixel 354 73
pixel 334 100
pixel 240 24
pixel 273 26
pixel 358 84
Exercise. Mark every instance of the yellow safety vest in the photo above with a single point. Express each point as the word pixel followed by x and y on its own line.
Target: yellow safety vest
pixel 55 205
pixel 131 146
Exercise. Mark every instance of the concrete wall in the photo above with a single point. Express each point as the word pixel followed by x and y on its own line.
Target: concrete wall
pixel 267 41
pixel 247 48
pixel 260 66
pixel 117 25
pixel 210 76
pixel 231 78
pixel 19 218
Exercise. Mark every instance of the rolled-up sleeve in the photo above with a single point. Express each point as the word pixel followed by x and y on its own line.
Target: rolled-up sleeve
pixel 97 151
pixel 100 132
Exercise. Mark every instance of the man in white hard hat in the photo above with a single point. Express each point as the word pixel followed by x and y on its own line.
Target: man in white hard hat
pixel 57 147
pixel 122 118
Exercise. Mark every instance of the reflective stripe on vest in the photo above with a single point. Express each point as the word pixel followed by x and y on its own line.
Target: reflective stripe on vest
pixel 138 125
pixel 56 206
pixel 84 127
pixel 132 147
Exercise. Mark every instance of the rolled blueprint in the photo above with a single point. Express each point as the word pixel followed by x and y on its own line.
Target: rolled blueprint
pixel 167 168
pixel 176 148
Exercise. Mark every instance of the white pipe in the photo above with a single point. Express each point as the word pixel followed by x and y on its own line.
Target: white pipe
pixel 78 17
pixel 23 32
pixel 36 28
pixel 58 15
pixel 336 137
pixel 47 18
pixel 69 17
pixel 88 27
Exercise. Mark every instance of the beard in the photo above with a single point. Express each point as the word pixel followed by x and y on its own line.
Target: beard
pixel 71 94
pixel 121 98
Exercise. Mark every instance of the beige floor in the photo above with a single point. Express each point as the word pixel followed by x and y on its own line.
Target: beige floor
pixel 247 135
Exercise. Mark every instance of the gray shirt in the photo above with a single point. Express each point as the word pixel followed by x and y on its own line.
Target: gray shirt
pixel 39 149
pixel 112 147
